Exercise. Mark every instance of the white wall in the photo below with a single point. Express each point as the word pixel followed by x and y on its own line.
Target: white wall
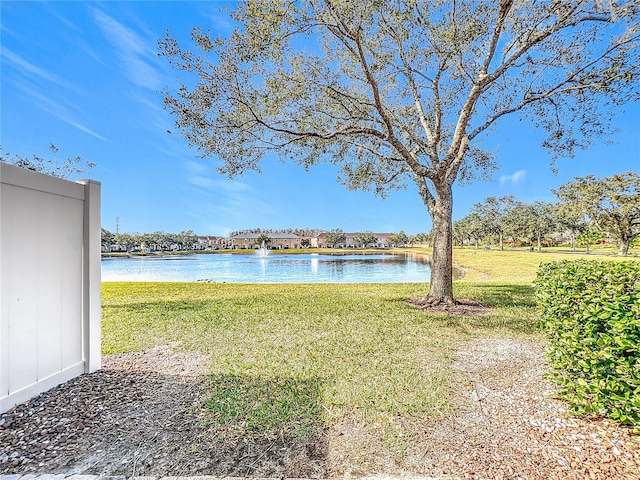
pixel 49 282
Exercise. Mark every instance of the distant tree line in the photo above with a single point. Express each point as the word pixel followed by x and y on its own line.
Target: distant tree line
pixel 587 209
pixel 400 239
pixel 188 240
pixel 159 241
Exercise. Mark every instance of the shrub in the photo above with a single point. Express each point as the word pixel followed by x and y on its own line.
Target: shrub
pixel 591 314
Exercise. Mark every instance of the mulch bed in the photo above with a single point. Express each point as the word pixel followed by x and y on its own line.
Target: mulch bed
pixel 462 306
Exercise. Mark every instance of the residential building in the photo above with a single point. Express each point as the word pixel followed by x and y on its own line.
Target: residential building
pixel 213 242
pixel 277 240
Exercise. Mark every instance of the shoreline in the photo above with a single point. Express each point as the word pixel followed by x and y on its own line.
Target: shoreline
pixel 288 251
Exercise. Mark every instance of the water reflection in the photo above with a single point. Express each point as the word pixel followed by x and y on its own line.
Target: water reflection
pixel 276 268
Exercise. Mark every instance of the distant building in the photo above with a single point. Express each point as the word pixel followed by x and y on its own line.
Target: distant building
pixel 212 242
pixel 277 240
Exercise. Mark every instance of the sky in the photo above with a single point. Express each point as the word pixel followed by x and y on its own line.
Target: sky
pixel 86 76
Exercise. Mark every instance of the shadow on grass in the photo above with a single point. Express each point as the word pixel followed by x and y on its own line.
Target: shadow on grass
pixel 500 295
pixel 264 405
pixel 268 426
pixel 513 310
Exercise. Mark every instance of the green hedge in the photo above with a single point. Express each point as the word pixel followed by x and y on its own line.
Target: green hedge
pixel 591 314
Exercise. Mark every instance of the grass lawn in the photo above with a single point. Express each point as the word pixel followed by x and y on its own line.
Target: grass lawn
pixel 521 265
pixel 296 356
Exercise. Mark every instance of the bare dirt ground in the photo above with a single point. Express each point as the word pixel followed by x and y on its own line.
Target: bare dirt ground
pixel 142 414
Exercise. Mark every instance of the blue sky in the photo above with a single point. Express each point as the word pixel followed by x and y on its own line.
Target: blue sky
pixel 86 77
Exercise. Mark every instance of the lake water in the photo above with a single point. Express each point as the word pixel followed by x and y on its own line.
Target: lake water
pixel 275 268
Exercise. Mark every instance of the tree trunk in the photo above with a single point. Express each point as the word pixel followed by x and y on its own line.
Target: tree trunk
pixel 623 247
pixel 501 240
pixel 539 242
pixel 441 286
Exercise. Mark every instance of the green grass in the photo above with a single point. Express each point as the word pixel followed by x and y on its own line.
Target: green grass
pixel 292 357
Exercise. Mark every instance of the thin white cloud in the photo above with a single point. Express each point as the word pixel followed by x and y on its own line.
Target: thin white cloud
pixel 230 189
pixel 514 179
pixel 218 198
pixel 81 127
pixel 200 181
pixel 233 186
pixel 57 110
pixel 82 45
pixel 64 20
pixel 133 50
pixel 45 102
pixel 232 206
pixel 197 168
pixel 31 70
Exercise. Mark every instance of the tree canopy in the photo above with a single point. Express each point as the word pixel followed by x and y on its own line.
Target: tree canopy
pixel 335 237
pixel 402 92
pixel 399 239
pixel 493 212
pixel 263 239
pixel 571 220
pixel 612 204
pixel 365 238
pixel 531 220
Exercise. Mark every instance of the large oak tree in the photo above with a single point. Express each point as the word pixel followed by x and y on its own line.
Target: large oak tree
pixel 403 91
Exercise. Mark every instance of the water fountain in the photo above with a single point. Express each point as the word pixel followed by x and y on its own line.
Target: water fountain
pixel 263 251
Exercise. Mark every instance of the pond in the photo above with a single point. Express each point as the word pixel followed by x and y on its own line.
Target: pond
pixel 274 268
